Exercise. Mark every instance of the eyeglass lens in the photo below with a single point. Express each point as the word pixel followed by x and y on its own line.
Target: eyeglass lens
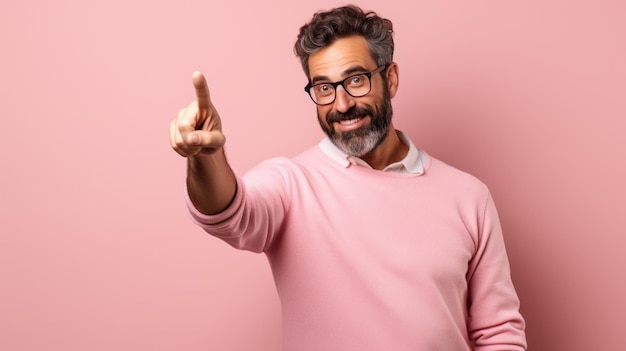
pixel 357 86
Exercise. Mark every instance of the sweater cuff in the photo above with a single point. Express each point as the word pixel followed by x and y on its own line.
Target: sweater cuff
pixel 205 219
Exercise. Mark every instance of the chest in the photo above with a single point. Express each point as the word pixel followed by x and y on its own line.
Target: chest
pixel 392 232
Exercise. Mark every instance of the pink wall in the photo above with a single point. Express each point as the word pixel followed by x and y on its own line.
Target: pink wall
pixel 97 251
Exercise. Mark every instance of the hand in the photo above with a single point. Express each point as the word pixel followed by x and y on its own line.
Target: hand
pixel 197 129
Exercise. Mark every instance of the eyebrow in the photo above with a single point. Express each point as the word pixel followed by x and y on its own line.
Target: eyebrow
pixel 348 72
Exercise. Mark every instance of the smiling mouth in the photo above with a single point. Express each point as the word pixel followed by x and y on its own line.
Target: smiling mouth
pixel 350 121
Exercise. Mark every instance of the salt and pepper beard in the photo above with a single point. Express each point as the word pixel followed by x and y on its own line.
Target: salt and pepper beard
pixel 360 141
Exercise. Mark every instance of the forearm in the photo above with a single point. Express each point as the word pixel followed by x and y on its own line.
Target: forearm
pixel 211 182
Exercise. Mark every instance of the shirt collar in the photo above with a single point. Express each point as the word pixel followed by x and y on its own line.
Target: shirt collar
pixel 412 163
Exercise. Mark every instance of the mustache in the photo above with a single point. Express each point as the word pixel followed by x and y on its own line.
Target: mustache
pixel 350 114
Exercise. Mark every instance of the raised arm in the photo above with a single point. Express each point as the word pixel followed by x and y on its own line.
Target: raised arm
pixel 196 134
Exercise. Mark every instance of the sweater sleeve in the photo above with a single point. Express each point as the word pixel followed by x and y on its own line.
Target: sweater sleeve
pixel 254 217
pixel 495 323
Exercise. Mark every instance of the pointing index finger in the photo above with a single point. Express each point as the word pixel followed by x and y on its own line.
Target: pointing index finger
pixel 202 90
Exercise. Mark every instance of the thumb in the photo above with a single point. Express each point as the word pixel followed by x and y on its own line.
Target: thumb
pixel 206 139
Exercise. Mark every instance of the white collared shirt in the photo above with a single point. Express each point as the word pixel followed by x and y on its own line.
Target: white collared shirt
pixel 412 163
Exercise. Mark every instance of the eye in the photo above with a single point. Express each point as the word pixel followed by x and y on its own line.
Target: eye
pixel 323 89
pixel 357 81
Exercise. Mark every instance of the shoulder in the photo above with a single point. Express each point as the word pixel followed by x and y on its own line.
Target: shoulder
pixel 310 157
pixel 289 168
pixel 452 177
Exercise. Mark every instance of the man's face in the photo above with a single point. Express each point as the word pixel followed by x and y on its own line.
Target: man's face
pixel 355 125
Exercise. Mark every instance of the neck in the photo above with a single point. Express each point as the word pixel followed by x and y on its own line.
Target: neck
pixel 392 149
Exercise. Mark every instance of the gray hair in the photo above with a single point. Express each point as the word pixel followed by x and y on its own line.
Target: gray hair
pixel 328 26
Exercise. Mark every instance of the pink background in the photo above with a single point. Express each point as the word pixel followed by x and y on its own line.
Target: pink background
pixel 97 251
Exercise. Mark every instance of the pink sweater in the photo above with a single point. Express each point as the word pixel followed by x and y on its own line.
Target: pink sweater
pixel 371 260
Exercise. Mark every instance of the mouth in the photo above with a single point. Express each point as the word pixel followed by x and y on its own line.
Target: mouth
pixel 350 124
pixel 350 121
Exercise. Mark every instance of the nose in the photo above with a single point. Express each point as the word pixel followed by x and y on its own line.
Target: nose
pixel 343 100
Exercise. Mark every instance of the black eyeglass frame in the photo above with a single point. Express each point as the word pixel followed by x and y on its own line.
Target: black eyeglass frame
pixel 369 75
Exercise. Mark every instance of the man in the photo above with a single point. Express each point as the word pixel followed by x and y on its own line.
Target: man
pixel 373 244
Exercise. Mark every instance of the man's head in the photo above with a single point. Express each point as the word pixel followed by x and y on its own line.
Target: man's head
pixel 347 56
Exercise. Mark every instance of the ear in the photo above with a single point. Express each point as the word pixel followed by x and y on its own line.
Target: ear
pixel 392 78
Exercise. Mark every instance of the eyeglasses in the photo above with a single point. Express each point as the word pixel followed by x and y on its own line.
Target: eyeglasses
pixel 356 86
